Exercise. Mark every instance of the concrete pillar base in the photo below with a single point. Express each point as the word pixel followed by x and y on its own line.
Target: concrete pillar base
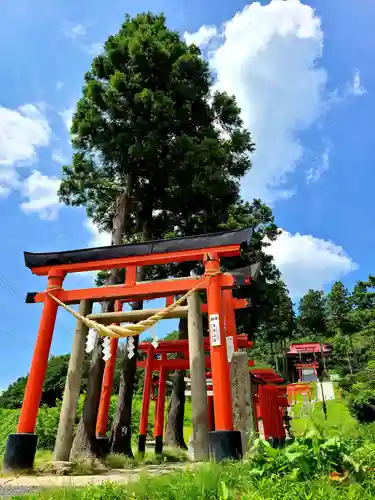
pixel 20 452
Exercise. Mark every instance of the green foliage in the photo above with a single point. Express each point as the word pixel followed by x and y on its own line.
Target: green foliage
pixel 312 319
pixel 339 420
pixel 299 471
pixel 12 397
pixel 8 425
pixel 46 426
pixel 361 394
pixel 54 383
pixel 48 420
pixel 338 306
pixel 53 388
pixel 308 456
pixel 148 123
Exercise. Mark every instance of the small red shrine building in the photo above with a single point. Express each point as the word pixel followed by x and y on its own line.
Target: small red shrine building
pixel 303 360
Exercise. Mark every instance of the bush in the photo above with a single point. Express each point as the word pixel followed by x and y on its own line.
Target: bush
pixel 8 425
pixel 48 421
pixel 362 406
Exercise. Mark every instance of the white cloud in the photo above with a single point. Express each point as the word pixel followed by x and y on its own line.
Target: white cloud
pixel 59 157
pixel 41 192
pixel 76 31
pixel 356 88
pixel 202 37
pixel 8 181
pixel 22 132
pixel 322 166
pixel 308 262
pixel 269 58
pixel 59 85
pixel 97 238
pixel 67 117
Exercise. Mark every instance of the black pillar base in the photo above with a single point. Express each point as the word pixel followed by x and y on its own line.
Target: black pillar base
pixel 225 445
pixel 20 451
pixel 102 446
pixel 142 443
pixel 277 442
pixel 158 445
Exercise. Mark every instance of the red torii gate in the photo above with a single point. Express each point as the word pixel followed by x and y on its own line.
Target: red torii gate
pixel 164 365
pixel 230 305
pixel 207 249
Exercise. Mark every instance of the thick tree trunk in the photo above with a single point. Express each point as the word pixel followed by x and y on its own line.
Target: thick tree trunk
pixel 174 432
pixel 121 431
pixel 84 444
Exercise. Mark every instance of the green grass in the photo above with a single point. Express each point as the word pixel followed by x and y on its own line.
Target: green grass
pixel 338 419
pixel 223 482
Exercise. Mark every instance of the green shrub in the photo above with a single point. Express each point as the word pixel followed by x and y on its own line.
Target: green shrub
pixel 48 421
pixel 8 425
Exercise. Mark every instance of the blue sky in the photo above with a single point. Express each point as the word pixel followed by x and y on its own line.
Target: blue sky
pixel 304 78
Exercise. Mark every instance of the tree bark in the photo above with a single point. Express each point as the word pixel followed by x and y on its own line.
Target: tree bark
pixel 121 430
pixel 85 444
pixel 198 379
pixel 67 420
pixel 174 432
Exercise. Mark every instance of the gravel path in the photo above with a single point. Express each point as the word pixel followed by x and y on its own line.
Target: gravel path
pixel 22 485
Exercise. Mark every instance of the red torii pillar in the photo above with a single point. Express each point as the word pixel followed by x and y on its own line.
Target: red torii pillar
pixel 159 411
pixel 145 402
pixel 25 438
pixel 224 442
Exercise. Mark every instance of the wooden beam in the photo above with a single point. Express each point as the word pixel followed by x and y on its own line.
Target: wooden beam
pixel 135 316
pixel 141 291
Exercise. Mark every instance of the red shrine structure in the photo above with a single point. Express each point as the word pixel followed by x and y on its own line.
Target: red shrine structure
pixel 269 397
pixel 303 360
pixel 157 361
pixel 209 249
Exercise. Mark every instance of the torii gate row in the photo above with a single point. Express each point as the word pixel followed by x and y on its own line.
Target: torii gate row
pixel 207 249
pixel 176 346
pixel 164 365
pixel 270 403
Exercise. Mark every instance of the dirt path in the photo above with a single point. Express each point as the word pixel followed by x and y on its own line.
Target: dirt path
pixel 29 484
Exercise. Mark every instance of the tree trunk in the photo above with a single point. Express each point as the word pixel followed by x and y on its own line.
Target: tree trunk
pixel 120 438
pixel 174 432
pixel 84 444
